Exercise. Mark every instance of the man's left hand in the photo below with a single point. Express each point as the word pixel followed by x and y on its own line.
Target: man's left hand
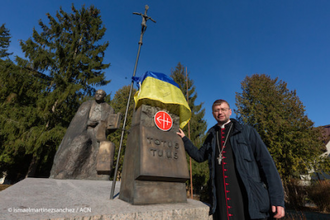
pixel 278 211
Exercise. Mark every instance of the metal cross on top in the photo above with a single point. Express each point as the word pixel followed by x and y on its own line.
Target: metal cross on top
pixel 145 18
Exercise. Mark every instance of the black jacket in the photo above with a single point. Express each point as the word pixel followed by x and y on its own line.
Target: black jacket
pixel 253 163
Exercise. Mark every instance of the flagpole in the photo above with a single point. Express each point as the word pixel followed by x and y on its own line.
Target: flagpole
pixel 191 183
pixel 145 18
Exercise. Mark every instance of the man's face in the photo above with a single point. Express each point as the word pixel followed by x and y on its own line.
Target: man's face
pixel 99 95
pixel 221 113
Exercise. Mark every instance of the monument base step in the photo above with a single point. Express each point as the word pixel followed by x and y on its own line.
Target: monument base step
pixel 35 198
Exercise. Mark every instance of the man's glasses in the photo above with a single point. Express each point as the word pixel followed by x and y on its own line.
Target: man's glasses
pixel 221 110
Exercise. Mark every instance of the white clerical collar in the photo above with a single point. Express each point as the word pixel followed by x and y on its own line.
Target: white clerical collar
pixel 223 125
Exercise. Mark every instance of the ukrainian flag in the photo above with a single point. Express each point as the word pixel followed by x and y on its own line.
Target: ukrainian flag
pixel 157 89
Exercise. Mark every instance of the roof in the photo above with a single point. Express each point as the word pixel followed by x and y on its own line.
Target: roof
pixel 326 132
pixel 326 129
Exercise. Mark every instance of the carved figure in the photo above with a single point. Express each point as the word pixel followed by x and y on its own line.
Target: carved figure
pixel 84 150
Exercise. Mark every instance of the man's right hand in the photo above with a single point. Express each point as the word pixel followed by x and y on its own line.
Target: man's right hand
pixel 181 133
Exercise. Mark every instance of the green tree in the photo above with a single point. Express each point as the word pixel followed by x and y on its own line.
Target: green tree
pixel 19 113
pixel 19 92
pixel 119 103
pixel 68 52
pixel 279 117
pixel 197 124
pixel 4 41
pixel 65 63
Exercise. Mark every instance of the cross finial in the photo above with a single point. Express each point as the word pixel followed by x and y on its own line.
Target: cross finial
pixel 145 18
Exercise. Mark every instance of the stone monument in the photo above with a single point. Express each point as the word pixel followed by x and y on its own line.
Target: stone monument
pixel 155 167
pixel 84 152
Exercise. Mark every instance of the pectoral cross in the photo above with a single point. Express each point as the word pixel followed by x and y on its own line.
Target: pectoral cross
pixel 220 158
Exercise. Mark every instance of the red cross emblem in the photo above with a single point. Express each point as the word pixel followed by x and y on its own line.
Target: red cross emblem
pixel 163 120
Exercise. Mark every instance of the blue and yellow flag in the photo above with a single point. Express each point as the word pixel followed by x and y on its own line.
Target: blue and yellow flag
pixel 157 89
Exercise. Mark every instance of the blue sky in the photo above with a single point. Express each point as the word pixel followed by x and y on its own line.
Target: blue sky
pixel 219 41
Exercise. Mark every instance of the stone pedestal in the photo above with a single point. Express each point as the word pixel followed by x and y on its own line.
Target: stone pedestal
pixel 34 199
pixel 155 167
